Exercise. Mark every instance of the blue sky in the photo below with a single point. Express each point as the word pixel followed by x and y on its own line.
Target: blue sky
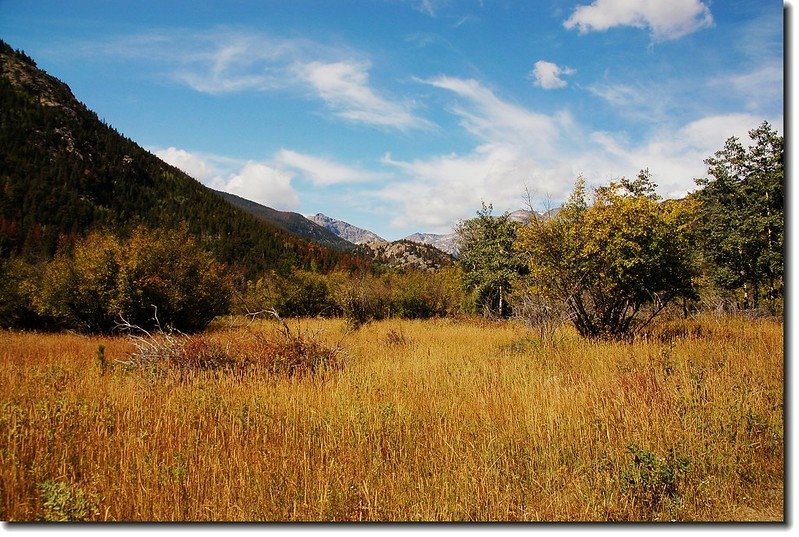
pixel 403 116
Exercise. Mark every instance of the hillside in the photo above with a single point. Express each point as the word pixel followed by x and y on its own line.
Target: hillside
pixel 345 230
pixel 64 172
pixel 406 254
pixel 294 223
pixel 446 243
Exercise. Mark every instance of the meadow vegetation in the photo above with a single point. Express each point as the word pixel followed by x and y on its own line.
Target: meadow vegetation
pixel 618 358
pixel 411 420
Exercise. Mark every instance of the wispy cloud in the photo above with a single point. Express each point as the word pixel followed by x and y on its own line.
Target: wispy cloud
pixel 227 61
pixel 429 7
pixel 492 119
pixel 345 88
pixel 548 75
pixel 665 20
pixel 324 171
pixel 516 147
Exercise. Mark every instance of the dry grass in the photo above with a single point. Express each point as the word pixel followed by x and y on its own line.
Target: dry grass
pixel 429 420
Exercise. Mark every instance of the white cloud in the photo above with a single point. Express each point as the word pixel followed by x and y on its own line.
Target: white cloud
pixel 227 61
pixel 491 119
pixel 263 184
pixel 323 171
pixel 759 89
pixel 256 181
pixel 674 155
pixel 193 164
pixel 517 147
pixel 547 75
pixel 444 189
pixel 665 19
pixel 344 86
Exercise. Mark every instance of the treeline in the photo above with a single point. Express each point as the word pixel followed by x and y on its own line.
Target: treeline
pixel 613 258
pixel 158 277
pixel 609 262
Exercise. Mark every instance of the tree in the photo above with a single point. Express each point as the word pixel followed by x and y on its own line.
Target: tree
pixel 489 262
pixel 741 216
pixel 102 278
pixel 169 273
pixel 614 264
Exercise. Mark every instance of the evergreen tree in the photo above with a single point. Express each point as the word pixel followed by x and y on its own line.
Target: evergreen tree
pixel 741 225
pixel 490 264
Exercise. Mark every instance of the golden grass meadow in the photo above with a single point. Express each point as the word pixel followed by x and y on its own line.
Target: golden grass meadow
pixel 436 420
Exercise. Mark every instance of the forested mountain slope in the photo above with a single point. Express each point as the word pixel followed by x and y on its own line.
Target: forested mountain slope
pixel 64 172
pixel 294 223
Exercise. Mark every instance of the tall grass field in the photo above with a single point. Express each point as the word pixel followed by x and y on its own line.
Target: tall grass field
pixel 437 420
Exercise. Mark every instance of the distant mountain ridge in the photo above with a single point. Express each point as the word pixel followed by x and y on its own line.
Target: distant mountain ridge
pixel 447 243
pixel 345 230
pixel 406 254
pixel 294 223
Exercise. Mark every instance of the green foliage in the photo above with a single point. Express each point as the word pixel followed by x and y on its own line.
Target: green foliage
pixel 62 502
pixel 18 285
pixel 103 279
pixel 79 288
pixel 652 481
pixel 171 273
pixel 610 261
pixel 300 294
pixel 358 297
pixel 741 221
pixel 489 262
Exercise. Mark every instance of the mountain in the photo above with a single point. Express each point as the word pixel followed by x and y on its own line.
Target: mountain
pixel 447 243
pixel 294 223
pixel 63 172
pixel 521 216
pixel 346 231
pixel 406 254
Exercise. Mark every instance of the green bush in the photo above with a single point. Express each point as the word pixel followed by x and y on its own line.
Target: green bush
pixel 62 502
pixel 654 482
pixel 18 284
pixel 154 277
pixel 169 274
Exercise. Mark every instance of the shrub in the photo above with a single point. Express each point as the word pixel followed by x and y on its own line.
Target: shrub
pixel 282 352
pixel 652 481
pixel 302 294
pixel 171 271
pixel 18 284
pixel 79 287
pixel 166 351
pixel 103 278
pixel 363 299
pixel 294 353
pixel 63 502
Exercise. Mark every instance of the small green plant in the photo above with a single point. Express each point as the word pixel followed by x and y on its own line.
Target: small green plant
pixel 653 481
pixel 62 502
pixel 101 360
